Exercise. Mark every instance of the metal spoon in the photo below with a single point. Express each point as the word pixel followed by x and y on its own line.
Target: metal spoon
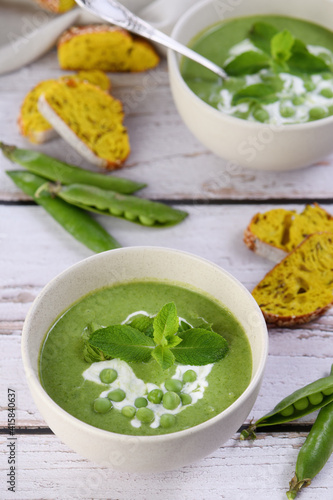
pixel 117 14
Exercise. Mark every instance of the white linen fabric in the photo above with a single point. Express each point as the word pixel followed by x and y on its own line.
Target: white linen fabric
pixel 35 31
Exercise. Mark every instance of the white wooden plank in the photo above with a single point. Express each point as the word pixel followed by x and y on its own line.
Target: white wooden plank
pixel 34 249
pixel 164 153
pixel 214 232
pixel 47 469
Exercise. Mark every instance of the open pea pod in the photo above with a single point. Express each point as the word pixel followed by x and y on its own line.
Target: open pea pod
pixel 132 208
pixel 306 400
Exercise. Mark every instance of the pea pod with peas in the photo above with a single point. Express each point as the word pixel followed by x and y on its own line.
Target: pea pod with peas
pixel 106 202
pixel 316 450
pixel 59 171
pixel 306 400
pixel 77 191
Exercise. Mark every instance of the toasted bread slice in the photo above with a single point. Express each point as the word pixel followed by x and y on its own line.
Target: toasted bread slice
pixel 32 124
pixel 275 233
pixel 104 47
pixel 89 119
pixel 57 6
pixel 300 287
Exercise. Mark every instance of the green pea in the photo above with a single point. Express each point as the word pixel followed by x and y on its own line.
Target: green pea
pixel 128 411
pixel 108 375
pixel 330 110
pixel 287 411
pixel 309 86
pixel 287 111
pixel 243 115
pixel 102 405
pixel 116 211
pixel 298 100
pixel 301 404
pixel 186 399
pixel 167 420
pixel 261 115
pixel 130 216
pixel 317 113
pixel 316 399
pixel 141 402
pixel 328 93
pixel 328 392
pixel 327 76
pixel 117 395
pixel 145 415
pixel 155 396
pixel 171 400
pixel 189 376
pixel 173 384
pixel 146 221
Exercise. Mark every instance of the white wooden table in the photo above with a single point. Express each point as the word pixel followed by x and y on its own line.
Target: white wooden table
pixel 220 201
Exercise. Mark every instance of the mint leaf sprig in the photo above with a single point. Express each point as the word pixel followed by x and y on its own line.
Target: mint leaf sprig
pixel 278 50
pixel 163 338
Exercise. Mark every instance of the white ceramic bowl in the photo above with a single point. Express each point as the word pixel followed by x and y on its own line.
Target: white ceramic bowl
pixel 249 144
pixel 143 453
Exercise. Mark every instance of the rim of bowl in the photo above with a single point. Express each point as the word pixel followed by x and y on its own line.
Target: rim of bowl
pixel 174 60
pixel 35 381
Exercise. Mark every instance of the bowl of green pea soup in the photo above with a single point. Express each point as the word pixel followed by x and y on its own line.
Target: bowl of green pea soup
pixel 144 359
pixel 274 111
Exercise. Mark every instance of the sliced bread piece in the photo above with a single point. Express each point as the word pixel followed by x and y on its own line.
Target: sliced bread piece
pixel 104 47
pixel 30 121
pixel 300 287
pixel 275 233
pixel 89 119
pixel 57 6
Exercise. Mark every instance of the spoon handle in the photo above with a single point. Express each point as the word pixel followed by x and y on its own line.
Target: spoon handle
pixel 119 15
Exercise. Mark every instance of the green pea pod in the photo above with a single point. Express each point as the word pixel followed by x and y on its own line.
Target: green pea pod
pixel 77 222
pixel 101 201
pixel 315 452
pixel 56 170
pixel 310 398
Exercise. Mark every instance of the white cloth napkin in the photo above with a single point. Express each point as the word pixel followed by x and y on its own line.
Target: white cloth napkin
pixel 36 34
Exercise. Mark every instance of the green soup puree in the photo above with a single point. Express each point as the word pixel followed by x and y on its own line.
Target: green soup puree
pixel 135 389
pixel 280 69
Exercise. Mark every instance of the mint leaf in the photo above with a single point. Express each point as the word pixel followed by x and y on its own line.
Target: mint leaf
pixel 173 340
pixel 143 323
pixel 302 61
pixel 281 46
pixel 247 63
pixel 166 323
pixel 91 354
pixel 259 92
pixel 261 34
pixel 163 356
pixel 170 342
pixel 123 342
pixel 183 326
pixel 199 347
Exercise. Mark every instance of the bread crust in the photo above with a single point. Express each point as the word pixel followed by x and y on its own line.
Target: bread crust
pixel 299 319
pixel 55 5
pixel 268 250
pixel 262 248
